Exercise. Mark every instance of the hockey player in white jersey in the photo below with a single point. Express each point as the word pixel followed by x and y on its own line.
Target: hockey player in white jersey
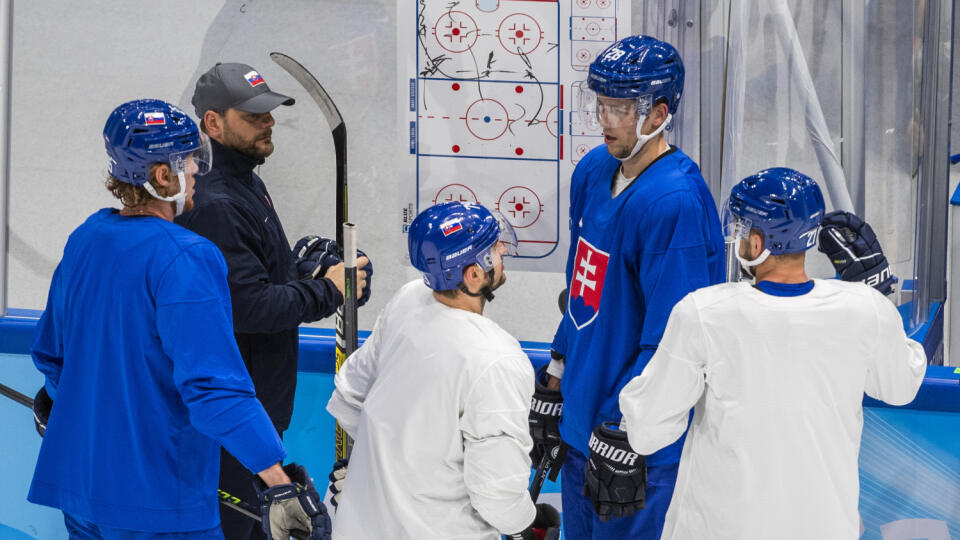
pixel 437 398
pixel 777 371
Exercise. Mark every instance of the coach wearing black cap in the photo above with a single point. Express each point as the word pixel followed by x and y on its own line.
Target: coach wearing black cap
pixel 233 209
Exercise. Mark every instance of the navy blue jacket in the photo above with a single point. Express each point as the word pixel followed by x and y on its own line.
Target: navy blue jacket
pixel 234 211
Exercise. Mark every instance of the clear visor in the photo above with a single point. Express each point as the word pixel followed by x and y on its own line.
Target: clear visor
pixel 506 245
pixel 197 161
pixel 734 227
pixel 601 111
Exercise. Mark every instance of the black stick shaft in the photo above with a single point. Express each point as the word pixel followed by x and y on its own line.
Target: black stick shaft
pixel 22 399
pixel 538 478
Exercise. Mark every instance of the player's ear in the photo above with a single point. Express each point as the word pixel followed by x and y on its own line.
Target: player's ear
pixel 658 115
pixel 473 277
pixel 756 243
pixel 161 175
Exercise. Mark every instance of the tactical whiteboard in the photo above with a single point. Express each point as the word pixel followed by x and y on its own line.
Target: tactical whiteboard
pixel 491 87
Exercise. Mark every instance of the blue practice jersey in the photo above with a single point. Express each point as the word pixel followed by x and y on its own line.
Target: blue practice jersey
pixel 137 346
pixel 631 259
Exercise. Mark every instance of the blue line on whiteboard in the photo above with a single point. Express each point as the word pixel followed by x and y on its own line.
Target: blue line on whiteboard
pixel 489 157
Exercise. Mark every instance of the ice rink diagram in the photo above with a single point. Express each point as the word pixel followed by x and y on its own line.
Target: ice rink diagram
pixel 489 84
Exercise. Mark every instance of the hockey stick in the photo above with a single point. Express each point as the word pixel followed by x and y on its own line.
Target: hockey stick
pixel 225 498
pixel 347 313
pixel 546 469
pixel 558 453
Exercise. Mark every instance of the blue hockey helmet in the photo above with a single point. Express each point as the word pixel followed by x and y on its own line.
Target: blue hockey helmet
pixel 784 204
pixel 448 237
pixel 639 67
pixel 142 132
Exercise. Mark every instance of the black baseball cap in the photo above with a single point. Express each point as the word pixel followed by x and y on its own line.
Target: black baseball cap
pixel 236 86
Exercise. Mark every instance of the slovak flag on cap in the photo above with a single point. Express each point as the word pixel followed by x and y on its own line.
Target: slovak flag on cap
pixel 154 118
pixel 253 78
pixel 450 228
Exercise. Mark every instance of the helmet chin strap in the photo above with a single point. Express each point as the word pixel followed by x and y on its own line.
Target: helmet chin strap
pixel 644 139
pixel 180 197
pixel 486 292
pixel 749 266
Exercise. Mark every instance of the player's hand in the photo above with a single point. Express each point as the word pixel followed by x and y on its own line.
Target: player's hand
pixel 293 509
pixel 615 477
pixel 854 251
pixel 337 274
pixel 367 269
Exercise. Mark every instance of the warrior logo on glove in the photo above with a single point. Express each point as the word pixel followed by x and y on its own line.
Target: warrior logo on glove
pixel 615 478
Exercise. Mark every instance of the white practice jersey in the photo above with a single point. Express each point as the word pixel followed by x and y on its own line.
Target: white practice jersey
pixel 778 385
pixel 437 401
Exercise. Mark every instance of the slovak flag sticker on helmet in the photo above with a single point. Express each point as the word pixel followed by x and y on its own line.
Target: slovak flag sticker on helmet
pixel 450 228
pixel 253 78
pixel 586 285
pixel 154 118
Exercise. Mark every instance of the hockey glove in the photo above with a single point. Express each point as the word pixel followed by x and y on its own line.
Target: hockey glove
pixel 337 476
pixel 615 477
pixel 42 404
pixel 854 251
pixel 545 526
pixel 292 509
pixel 546 407
pixel 313 255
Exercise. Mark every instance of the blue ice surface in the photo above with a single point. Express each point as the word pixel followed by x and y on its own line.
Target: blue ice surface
pixel 309 441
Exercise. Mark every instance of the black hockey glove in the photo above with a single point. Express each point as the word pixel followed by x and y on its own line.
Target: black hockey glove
pixel 313 255
pixel 546 408
pixel 854 251
pixel 42 404
pixel 545 526
pixel 337 476
pixel 615 477
pixel 292 509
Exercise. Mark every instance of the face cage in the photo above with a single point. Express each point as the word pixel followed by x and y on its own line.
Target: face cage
pixel 200 159
pixel 597 115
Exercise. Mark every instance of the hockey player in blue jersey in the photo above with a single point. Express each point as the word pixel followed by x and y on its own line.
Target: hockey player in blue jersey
pixel 144 380
pixel 644 232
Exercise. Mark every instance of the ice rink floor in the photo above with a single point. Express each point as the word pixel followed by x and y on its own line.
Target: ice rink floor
pixel 309 441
